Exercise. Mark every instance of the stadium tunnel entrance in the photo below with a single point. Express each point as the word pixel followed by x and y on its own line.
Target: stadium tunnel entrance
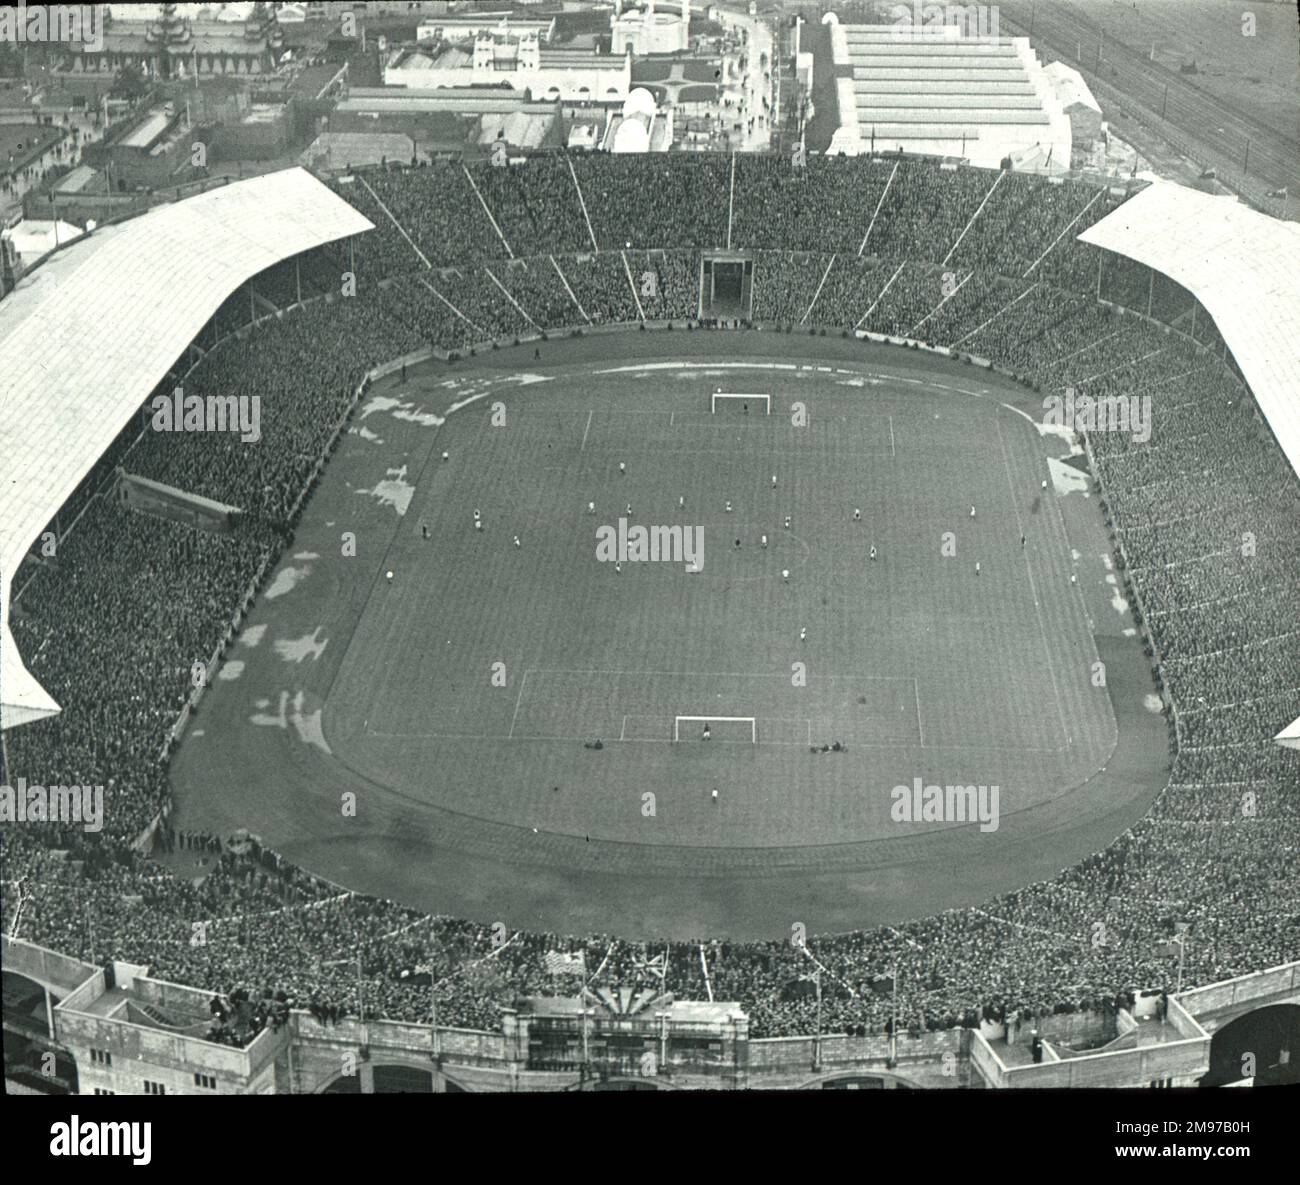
pixel 727 287
pixel 1265 1041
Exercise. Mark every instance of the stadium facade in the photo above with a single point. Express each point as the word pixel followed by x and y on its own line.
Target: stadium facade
pixel 127 1032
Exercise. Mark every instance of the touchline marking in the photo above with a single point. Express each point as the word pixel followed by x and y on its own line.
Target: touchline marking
pixel 519 699
pixel 590 413
pixel 568 740
pixel 920 732
pixel 1033 588
pixel 710 674
pixel 892 451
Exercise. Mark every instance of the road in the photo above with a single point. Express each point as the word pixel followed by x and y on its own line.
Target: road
pixel 67 151
pixel 753 85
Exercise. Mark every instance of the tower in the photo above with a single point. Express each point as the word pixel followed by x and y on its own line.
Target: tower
pixel 169 39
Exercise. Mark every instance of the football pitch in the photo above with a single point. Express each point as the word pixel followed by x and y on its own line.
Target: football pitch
pixel 518 714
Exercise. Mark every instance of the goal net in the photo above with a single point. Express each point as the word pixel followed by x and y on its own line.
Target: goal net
pixel 741 401
pixel 720 728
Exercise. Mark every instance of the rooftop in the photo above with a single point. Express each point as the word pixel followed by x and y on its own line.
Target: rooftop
pixel 113 294
pixel 1244 268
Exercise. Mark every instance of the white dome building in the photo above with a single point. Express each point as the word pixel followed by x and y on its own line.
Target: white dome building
pixel 645 31
pixel 639 102
pixel 633 135
pixel 641 127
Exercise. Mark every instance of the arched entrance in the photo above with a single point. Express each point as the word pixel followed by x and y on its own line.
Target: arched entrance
pixel 858 1080
pixel 1265 1041
pixel 391 1078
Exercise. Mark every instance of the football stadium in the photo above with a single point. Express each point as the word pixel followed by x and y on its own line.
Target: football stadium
pixel 844 607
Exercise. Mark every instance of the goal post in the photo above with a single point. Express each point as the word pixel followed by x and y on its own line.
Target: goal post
pixel 691 728
pixel 746 399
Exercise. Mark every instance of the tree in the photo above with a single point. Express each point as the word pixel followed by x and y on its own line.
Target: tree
pixel 129 84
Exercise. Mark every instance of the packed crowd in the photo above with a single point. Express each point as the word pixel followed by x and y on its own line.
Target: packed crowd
pixel 1205 523
pixel 305 390
pixel 890 208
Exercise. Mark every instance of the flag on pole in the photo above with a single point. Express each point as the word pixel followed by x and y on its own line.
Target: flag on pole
pixel 656 967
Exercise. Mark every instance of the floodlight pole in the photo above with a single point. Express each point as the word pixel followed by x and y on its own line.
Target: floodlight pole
pixel 893 1024
pixel 586 1054
pixel 817 1041
pixel 433 1017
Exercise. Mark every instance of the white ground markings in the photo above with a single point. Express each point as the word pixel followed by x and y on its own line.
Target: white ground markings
pixel 253 635
pixel 426 419
pixel 1066 479
pixel 230 670
pixel 399 409
pixel 1152 702
pixel 1117 600
pixel 306 724
pixel 297 649
pixel 286 580
pixel 366 434
pixel 394 491
pixel 1062 433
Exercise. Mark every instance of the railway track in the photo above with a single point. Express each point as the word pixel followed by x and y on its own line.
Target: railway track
pixel 1259 158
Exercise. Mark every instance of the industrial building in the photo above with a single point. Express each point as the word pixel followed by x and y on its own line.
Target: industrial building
pixel 937 92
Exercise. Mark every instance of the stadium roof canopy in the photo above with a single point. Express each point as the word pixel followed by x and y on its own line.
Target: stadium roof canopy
pixel 1244 268
pixel 85 339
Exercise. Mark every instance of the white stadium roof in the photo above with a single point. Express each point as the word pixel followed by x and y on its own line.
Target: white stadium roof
pixel 85 339
pixel 933 91
pixel 1244 268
